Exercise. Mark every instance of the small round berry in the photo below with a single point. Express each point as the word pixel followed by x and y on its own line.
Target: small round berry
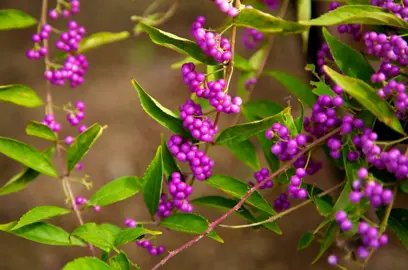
pixel 97 208
pixel 341 216
pixel 346 225
pixel 69 140
pixel 362 173
pixel 332 260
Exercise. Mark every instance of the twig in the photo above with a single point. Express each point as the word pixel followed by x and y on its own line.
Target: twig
pixel 168 14
pixel 243 199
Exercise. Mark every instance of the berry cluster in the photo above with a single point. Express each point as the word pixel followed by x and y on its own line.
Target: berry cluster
pixel 295 191
pixel 395 90
pixel 165 206
pixel 388 48
pixel 201 127
pixel 49 120
pixel 385 71
pixel 281 203
pixel 251 38
pixel 260 176
pixel 323 57
pixel 131 223
pixel 251 82
pixel 226 7
pixel 153 251
pixel 37 52
pixel 73 70
pixel 180 192
pixel 184 151
pixel 399 9
pixel 80 201
pixel 73 8
pixel 212 44
pixel 345 224
pixel 370 238
pixel 69 41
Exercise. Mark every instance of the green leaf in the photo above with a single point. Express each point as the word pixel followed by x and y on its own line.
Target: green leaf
pixel 328 239
pixel 113 229
pixel 295 86
pixel 241 63
pixel 86 263
pixel 117 190
pixel 27 156
pixel 299 120
pixel 215 72
pixel 224 204
pixel 132 234
pixel 358 14
pixel 43 233
pixel 189 223
pixel 41 131
pixel 242 132
pixel 99 39
pixel 187 59
pixel 15 19
pixel 322 89
pixel 239 189
pixel 304 13
pixel 82 145
pixel 246 152
pixel 305 240
pixel 153 179
pixel 368 97
pixel 272 226
pixel 120 262
pixel 350 61
pixel 40 213
pixel 169 164
pixel 264 22
pixel 162 115
pixel 180 45
pixel 398 222
pixel 404 186
pixel 95 235
pixel 324 204
pixel 25 177
pixel 20 94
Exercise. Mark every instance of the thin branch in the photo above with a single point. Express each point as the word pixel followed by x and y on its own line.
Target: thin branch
pixel 243 199
pixel 168 14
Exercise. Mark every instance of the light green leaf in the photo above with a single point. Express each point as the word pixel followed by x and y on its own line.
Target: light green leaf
pixel 153 181
pixel 305 241
pixel 25 177
pixel 132 234
pixel 299 120
pixel 27 156
pixel 189 223
pixel 95 235
pixel 99 39
pixel 328 239
pixel 246 152
pixel 162 115
pixel 241 90
pixel 368 97
pixel 20 94
pixel 120 262
pixel 215 72
pixel 82 144
pixel 15 19
pixel 358 14
pixel 180 45
pixel 169 164
pixel 117 190
pixel 41 131
pixel 40 213
pixel 86 263
pixel 241 63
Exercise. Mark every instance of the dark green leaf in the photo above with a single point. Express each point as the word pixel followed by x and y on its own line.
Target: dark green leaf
pixel 40 130
pixel 328 239
pixel 242 132
pixel 15 19
pixel 153 181
pixel 404 186
pixel 189 223
pixel 246 152
pixel 117 190
pixel 350 61
pixel 398 222
pixel 272 226
pixel 27 156
pixel 82 144
pixel 25 177
pixel 162 115
pixel 169 164
pixel 86 263
pixel 20 94
pixel 295 86
pixel 97 40
pixel 120 262
pixel 132 234
pixel 304 13
pixel 40 213
pixel 238 189
pixel 305 240
pixel 253 18
pixel 357 14
pixel 181 45
pixel 95 235
pixel 299 120
pixel 324 204
pixel 368 97
pixel 43 233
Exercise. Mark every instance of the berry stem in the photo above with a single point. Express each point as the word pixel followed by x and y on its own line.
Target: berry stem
pixel 48 108
pixel 244 198
pixel 169 13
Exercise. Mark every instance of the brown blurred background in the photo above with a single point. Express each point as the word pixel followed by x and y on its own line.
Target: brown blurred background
pixel 129 143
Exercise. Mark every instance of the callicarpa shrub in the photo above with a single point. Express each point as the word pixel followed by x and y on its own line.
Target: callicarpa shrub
pixel 358 103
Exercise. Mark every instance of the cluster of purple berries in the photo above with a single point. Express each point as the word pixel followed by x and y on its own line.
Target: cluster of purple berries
pixel 324 55
pixel 37 52
pixel 73 70
pixel 166 206
pixel 49 120
pixel 73 8
pixel 260 176
pixel 345 224
pixel 69 41
pixel 352 29
pixel 131 223
pixel 295 191
pixel 184 151
pixel 226 7
pixel 281 203
pixel 388 48
pixel 74 119
pixel 79 201
pixel 201 127
pixel 373 191
pixel 395 90
pixel 251 38
pixel 180 191
pixel 399 9
pixel 251 82
pixel 212 44
pixel 385 71
pixel 153 251
pixel 273 4
pixel 370 238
